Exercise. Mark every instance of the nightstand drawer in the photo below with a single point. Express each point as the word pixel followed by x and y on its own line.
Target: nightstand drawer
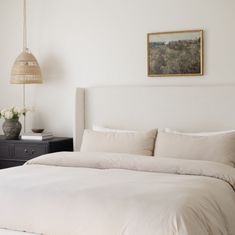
pixel 26 152
pixel 17 152
pixel 5 152
pixel 10 163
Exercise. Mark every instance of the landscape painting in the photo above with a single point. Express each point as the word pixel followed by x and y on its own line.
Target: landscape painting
pixel 177 53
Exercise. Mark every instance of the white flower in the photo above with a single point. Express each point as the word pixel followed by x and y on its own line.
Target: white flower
pixel 24 110
pixel 3 111
pixel 13 112
pixel 8 114
pixel 18 110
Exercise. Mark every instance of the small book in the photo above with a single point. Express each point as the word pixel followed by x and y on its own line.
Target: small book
pixel 37 136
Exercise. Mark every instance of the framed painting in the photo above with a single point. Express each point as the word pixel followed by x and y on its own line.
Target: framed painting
pixel 178 53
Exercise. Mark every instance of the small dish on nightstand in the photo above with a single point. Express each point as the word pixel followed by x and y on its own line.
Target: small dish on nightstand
pixel 36 130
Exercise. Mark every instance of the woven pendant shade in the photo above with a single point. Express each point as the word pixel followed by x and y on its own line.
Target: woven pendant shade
pixel 26 69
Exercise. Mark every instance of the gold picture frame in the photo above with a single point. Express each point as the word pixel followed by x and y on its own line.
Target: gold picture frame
pixel 175 53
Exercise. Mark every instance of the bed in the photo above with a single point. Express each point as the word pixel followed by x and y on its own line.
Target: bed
pixel 120 193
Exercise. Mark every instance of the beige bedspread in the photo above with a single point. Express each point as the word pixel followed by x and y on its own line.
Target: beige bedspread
pixel 117 194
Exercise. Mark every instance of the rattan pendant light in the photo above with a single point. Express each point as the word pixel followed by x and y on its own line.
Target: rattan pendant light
pixel 26 69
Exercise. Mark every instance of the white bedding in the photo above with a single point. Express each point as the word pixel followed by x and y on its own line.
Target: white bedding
pixel 11 232
pixel 109 194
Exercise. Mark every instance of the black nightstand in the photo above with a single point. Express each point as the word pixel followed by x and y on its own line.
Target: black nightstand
pixel 17 152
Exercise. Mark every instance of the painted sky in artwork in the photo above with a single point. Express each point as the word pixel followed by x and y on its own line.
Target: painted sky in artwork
pixel 174 37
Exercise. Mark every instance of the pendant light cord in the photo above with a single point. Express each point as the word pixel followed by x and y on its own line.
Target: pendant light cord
pixel 24 49
pixel 24 29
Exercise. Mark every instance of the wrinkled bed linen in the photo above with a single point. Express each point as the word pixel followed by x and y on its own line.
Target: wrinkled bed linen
pixel 108 194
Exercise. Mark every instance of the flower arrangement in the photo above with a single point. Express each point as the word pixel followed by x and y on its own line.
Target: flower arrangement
pixel 13 112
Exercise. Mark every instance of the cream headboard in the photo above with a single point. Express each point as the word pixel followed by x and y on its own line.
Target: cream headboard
pixel 190 108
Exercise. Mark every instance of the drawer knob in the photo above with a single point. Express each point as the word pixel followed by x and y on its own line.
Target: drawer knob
pixel 32 151
pixel 26 150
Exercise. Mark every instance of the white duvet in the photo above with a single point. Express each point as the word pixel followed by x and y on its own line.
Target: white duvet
pixel 117 194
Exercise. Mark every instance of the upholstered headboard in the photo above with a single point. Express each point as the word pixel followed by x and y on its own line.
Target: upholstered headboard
pixel 189 108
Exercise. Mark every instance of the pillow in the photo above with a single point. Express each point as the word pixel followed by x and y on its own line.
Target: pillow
pixel 198 133
pixel 106 129
pixel 218 148
pixel 141 143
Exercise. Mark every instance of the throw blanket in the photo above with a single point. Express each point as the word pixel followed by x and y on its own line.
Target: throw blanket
pixel 117 194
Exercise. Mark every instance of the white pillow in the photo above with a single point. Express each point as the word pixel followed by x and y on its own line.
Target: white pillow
pixel 141 143
pixel 218 148
pixel 107 129
pixel 198 133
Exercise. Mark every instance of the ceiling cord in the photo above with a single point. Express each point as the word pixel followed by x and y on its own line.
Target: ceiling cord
pixel 24 29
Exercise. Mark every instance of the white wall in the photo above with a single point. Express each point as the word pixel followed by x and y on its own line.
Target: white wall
pixel 89 42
